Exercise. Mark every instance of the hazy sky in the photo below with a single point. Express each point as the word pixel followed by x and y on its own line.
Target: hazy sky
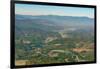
pixel 25 9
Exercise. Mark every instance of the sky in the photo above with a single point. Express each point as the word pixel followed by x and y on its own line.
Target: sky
pixel 33 9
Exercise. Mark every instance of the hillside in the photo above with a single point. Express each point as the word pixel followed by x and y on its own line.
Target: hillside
pixel 49 39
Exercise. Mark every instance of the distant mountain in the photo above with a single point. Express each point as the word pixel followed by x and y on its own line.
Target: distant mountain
pixel 59 20
pixel 51 23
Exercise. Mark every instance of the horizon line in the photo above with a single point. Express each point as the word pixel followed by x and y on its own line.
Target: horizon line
pixel 54 15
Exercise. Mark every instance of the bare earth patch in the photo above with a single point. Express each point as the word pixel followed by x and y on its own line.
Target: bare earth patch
pixel 20 62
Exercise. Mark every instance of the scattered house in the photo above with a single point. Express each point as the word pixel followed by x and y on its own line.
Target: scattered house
pixel 26 42
pixel 38 50
pixel 49 39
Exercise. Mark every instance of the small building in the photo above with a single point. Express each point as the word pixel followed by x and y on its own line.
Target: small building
pixel 26 42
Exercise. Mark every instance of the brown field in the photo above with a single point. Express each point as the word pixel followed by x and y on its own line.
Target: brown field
pixel 82 49
pixel 20 62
